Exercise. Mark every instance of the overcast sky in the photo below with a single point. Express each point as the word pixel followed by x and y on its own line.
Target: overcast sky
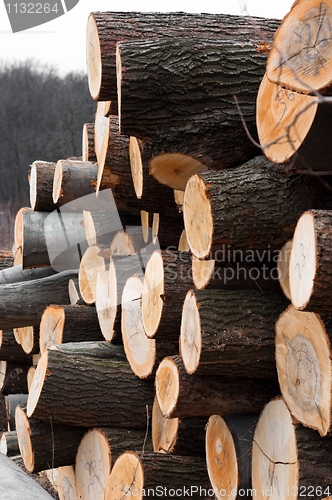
pixel 62 42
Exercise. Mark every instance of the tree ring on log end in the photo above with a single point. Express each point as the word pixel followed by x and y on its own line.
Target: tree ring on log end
pixel 302 49
pixel 164 430
pixel 190 334
pixel 153 293
pixel 93 58
pixel 174 169
pixel 304 367
pixel 23 436
pixel 136 166
pixel 37 384
pixel 167 386
pixel 284 119
pixel 221 459
pixel 140 350
pixel 51 327
pixel 202 272
pixel 274 453
pixel 126 479
pixel 90 265
pixel 303 265
pixel 106 301
pixel 93 465
pixel 197 216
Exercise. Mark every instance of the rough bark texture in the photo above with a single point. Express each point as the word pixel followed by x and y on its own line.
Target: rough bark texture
pixel 235 333
pixel 22 304
pixel 112 395
pixel 41 186
pixel 191 109
pixel 12 401
pixel 114 26
pixel 14 378
pixel 88 143
pixel 11 351
pixel 3 415
pixel 9 444
pixel 6 261
pixel 253 207
pixel 16 274
pixel 74 179
pixel 203 396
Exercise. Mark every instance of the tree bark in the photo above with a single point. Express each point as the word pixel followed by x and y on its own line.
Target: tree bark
pixel 309 268
pixel 182 395
pixel 63 324
pixel 230 332
pixel 112 394
pixel 13 378
pixel 12 401
pixel 304 366
pixel 22 304
pixel 228 454
pixel 88 143
pixel 73 179
pixel 184 437
pixel 41 186
pixel 6 262
pixel 224 209
pixel 11 351
pixel 300 55
pixel 106 28
pixel 157 473
pixel 289 459
pixel 9 444
pixel 45 445
pixel 16 274
pixel 4 425
pixel 166 282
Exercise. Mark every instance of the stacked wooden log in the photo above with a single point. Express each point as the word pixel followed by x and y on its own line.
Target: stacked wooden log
pixel 145 317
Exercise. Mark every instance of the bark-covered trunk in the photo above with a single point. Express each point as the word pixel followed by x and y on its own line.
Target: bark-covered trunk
pixel 11 351
pixel 73 179
pixel 16 274
pixel 41 186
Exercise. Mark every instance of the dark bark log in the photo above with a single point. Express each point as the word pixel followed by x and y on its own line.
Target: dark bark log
pixel 9 444
pixel 22 304
pixel 41 186
pixel 16 274
pixel 6 261
pixel 73 180
pixel 13 378
pixel 12 401
pixel 3 415
pixel 46 445
pixel 253 208
pixel 230 332
pixel 182 395
pixel 112 394
pixel 106 28
pixel 191 109
pixel 11 351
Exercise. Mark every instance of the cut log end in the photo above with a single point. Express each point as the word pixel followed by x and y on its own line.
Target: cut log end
pixel 302 50
pixel 304 367
pixel 25 337
pixel 164 430
pixel 91 264
pixel 221 459
pixel 153 290
pixel 136 166
pixel 122 244
pixel 274 453
pixel 51 327
pixel 174 169
pixel 167 386
pixel 197 215
pixel 283 120
pixel 106 301
pixel 126 478
pixel 33 186
pixel 190 335
pixel 139 349
pixel 24 441
pixel 302 266
pixel 202 271
pixel 57 182
pixel 93 56
pixel 37 383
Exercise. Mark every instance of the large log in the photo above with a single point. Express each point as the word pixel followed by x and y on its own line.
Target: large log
pixel 22 304
pixel 166 282
pixel 303 358
pixel 292 128
pixel 162 475
pixel 182 395
pixel 73 179
pixel 97 452
pixel 224 209
pixel 15 484
pixel 62 324
pixel 289 460
pixel 104 29
pixel 230 332
pixel 302 50
pixel 45 445
pixel 41 186
pixel 309 267
pixel 228 454
pixel 28 338
pixel 112 394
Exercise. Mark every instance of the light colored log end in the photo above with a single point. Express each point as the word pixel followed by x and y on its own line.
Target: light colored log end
pixel 174 169
pixel 167 386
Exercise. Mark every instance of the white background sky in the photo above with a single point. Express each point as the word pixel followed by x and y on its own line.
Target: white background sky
pixel 61 42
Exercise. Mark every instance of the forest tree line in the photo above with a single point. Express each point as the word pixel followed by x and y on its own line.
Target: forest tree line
pixel 41 118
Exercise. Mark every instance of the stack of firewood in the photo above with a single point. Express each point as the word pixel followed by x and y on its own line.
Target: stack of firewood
pixel 145 319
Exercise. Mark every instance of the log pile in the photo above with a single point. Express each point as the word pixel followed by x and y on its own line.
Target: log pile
pixel 147 330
